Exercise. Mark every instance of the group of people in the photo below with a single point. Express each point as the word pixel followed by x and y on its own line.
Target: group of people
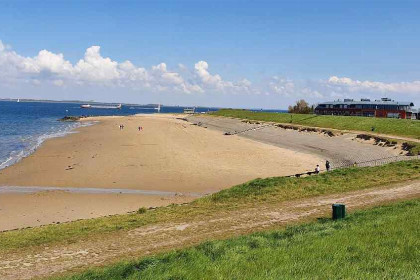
pixel 140 128
pixel 327 167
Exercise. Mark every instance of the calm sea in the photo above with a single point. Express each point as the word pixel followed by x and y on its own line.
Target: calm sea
pixel 25 125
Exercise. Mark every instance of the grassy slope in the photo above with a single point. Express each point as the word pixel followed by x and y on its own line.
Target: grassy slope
pixel 241 196
pixel 373 244
pixel 405 128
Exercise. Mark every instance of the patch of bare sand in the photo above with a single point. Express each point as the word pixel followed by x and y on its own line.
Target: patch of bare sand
pixel 36 209
pixel 167 155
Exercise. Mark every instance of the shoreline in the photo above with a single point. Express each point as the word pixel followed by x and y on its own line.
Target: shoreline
pixel 39 141
pixel 168 156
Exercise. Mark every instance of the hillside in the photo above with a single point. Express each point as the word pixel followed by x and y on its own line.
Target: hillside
pixel 392 127
pixel 381 243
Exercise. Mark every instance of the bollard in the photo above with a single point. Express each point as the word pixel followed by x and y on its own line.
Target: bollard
pixel 338 211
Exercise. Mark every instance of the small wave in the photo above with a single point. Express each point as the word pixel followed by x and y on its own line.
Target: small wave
pixel 16 156
pixel 5 163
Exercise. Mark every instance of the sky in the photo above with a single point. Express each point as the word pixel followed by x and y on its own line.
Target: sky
pixel 240 54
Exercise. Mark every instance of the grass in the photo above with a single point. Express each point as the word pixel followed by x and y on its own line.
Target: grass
pixel 397 127
pixel 255 192
pixel 381 243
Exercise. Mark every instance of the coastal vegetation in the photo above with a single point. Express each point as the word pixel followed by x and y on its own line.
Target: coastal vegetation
pixel 380 243
pixel 396 127
pixel 255 192
pixel 301 107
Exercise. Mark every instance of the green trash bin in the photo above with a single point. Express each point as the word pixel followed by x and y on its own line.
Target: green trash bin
pixel 338 211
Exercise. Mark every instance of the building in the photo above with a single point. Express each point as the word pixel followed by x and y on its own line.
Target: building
pixel 384 108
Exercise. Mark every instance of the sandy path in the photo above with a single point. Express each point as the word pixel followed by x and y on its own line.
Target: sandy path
pixel 168 155
pixel 154 238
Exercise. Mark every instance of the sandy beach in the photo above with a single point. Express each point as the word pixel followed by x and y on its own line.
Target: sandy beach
pixel 169 155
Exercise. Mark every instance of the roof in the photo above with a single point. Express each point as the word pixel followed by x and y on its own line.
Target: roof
pixel 376 102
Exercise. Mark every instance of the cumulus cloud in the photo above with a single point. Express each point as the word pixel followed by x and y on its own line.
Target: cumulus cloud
pixel 288 88
pixel 96 70
pixel 215 82
pixel 372 86
pixel 281 86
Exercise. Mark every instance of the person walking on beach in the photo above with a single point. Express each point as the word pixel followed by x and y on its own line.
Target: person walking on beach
pixel 317 169
pixel 327 165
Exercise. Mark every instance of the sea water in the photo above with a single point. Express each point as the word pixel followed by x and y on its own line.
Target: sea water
pixel 25 125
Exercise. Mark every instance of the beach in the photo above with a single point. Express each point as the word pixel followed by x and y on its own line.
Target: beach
pixel 169 155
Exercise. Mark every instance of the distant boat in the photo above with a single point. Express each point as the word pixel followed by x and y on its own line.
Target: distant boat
pixel 89 106
pixel 18 100
pixel 189 110
pixel 158 108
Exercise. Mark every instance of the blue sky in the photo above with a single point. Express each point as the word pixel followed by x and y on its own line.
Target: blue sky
pixel 256 54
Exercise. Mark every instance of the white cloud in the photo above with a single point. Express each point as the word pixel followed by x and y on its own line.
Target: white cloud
pixel 356 85
pixel 95 68
pixel 50 62
pixel 48 68
pixel 92 69
pixel 281 86
pixel 288 88
pixel 215 82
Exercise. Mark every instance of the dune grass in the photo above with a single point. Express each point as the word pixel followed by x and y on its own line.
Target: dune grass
pixel 398 127
pixel 250 194
pixel 380 243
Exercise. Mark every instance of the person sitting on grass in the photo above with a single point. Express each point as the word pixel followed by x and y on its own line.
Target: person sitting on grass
pixel 317 169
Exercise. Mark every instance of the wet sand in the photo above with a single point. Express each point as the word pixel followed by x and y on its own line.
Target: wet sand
pixel 168 155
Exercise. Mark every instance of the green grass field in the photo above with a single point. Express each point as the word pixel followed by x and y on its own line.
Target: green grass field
pixel 398 127
pixel 255 192
pixel 381 243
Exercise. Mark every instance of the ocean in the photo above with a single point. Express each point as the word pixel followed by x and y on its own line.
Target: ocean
pixel 25 125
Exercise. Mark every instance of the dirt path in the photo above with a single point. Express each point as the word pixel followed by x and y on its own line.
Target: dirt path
pixel 159 237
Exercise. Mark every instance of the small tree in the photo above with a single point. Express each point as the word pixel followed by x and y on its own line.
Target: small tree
pixel 301 107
